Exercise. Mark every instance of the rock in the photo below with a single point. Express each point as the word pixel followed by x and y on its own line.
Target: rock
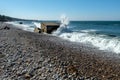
pixel 13 69
pixel 20 22
pixel 42 78
pixel 2 67
pixel 24 71
pixel 1 46
pixel 72 70
pixel 18 73
pixel 12 64
pixel 65 76
pixel 20 78
pixel 1 55
pixel 27 76
pixel 6 28
pixel 55 76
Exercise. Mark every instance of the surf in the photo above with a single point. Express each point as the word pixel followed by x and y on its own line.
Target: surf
pixel 102 40
pixel 24 26
pixel 88 36
pixel 103 43
pixel 64 21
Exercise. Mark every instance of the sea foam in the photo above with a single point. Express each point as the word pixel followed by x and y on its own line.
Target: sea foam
pixel 103 42
pixel 37 24
pixel 26 27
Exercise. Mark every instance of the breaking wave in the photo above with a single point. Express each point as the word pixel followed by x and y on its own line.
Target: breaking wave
pixel 109 42
pixel 26 27
pixel 103 42
pixel 37 24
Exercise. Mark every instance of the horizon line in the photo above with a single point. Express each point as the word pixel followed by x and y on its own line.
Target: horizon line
pixel 58 19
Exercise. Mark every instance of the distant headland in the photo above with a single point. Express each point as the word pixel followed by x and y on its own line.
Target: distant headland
pixel 4 18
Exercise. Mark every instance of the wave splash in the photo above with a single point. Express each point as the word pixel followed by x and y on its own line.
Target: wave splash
pixel 63 25
pixel 26 27
pixel 103 42
pixel 37 24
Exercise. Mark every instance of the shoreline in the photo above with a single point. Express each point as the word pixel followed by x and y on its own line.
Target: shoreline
pixel 45 56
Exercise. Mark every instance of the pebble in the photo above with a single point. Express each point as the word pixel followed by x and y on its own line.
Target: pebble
pixel 27 59
pixel 0 46
pixel 2 55
pixel 27 76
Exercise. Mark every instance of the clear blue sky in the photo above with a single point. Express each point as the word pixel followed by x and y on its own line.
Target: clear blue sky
pixel 52 9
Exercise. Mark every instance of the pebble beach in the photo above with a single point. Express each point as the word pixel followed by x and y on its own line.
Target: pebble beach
pixel 32 56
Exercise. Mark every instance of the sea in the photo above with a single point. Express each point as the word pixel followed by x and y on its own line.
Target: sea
pixel 104 35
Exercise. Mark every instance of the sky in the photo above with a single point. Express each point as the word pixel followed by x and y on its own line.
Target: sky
pixel 53 9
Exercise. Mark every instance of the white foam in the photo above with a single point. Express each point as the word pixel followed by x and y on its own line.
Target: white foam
pixel 89 30
pixel 22 26
pixel 64 20
pixel 101 41
pixel 38 25
pixel 110 44
pixel 64 25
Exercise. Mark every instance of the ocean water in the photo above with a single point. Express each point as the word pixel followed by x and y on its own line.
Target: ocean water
pixel 104 35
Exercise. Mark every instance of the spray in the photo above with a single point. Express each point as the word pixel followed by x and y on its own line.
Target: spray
pixel 64 21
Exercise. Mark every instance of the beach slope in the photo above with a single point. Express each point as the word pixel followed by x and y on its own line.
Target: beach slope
pixel 34 56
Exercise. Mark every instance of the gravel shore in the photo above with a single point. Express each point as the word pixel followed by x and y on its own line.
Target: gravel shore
pixel 33 56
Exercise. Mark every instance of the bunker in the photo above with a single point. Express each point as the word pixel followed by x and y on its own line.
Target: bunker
pixel 47 27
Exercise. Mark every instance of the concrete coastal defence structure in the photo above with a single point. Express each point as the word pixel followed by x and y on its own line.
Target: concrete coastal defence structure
pixel 47 27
